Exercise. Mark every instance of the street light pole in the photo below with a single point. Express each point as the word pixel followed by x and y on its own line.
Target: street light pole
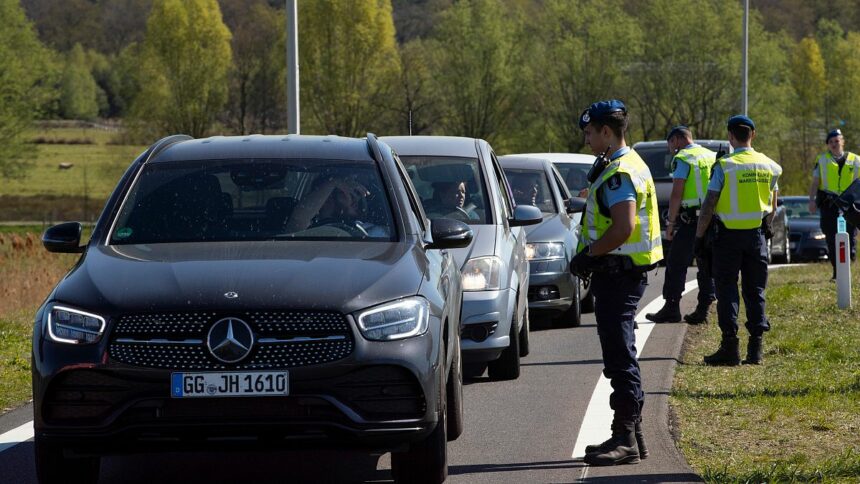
pixel 746 69
pixel 292 67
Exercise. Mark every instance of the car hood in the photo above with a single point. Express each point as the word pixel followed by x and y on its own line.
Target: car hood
pixel 483 244
pixel 551 229
pixel 804 225
pixel 343 276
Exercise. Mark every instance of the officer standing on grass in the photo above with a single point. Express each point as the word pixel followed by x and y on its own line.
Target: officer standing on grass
pixel 691 170
pixel 834 171
pixel 742 195
pixel 620 242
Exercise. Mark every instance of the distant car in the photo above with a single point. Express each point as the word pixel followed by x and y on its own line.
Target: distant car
pixel 806 241
pixel 573 168
pixel 254 291
pixel 553 290
pixel 461 178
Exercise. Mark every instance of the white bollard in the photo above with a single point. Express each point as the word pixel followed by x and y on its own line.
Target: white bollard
pixel 843 270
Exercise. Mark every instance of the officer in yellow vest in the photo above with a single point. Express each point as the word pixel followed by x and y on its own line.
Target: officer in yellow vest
pixel 742 195
pixel 619 243
pixel 834 171
pixel 691 170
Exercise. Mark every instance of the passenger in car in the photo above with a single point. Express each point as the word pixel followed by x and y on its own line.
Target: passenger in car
pixel 337 201
pixel 449 200
pixel 525 190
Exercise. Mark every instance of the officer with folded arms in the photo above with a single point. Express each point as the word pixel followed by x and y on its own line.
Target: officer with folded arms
pixel 619 243
pixel 834 171
pixel 691 170
pixel 742 196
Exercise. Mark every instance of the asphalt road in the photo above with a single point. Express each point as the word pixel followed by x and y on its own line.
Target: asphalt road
pixel 518 431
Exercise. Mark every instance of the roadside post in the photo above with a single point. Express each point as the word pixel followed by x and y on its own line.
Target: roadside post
pixel 843 265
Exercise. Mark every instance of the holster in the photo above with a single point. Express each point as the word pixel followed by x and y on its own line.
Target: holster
pixel 824 199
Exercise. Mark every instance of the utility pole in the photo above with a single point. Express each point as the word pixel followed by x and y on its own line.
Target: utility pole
pixel 746 67
pixel 292 68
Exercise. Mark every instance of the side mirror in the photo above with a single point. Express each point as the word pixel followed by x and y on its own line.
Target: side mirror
pixel 63 238
pixel 449 234
pixel 574 205
pixel 526 215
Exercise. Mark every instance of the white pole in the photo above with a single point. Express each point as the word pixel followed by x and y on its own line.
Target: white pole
pixel 843 268
pixel 292 68
pixel 745 85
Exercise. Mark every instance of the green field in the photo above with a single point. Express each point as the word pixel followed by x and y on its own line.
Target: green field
pixel 793 419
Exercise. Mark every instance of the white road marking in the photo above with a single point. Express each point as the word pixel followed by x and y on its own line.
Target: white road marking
pixel 16 436
pixel 598 416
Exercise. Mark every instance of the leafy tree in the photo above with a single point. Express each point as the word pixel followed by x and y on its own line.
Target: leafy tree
pixel 349 65
pixel 418 112
pixel 809 83
pixel 184 66
pixel 79 93
pixel 27 74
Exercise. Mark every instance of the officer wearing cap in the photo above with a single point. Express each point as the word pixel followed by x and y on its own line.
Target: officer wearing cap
pixel 620 242
pixel 691 170
pixel 834 171
pixel 742 195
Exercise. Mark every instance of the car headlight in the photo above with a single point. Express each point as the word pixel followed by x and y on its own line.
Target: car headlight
pixel 73 326
pixel 396 320
pixel 482 274
pixel 545 250
pixel 817 235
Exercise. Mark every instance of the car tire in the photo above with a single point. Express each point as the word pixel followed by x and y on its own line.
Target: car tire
pixel 525 349
pixel 785 258
pixel 426 462
pixel 507 367
pixel 573 316
pixel 52 466
pixel 454 392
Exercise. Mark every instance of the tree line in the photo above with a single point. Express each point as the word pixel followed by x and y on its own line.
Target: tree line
pixel 515 72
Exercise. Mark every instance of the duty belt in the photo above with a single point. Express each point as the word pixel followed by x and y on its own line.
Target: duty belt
pixel 615 264
pixel 689 215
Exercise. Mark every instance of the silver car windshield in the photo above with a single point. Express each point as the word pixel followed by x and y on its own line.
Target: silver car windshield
pixel 258 199
pixel 450 187
pixel 575 176
pixel 531 187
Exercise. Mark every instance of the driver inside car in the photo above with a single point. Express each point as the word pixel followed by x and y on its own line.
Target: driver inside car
pixel 449 200
pixel 335 201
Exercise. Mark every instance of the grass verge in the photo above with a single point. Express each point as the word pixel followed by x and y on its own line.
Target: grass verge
pixel 793 419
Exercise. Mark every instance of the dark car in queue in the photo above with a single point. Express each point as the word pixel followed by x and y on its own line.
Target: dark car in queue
pixel 656 155
pixel 553 291
pixel 461 178
pixel 260 291
pixel 806 241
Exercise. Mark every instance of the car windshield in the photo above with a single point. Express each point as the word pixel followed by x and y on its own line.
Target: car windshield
pixel 575 176
pixel 531 187
pixel 450 187
pixel 256 199
pixel 798 208
pixel 659 161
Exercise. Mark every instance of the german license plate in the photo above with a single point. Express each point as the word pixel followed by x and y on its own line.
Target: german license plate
pixel 229 384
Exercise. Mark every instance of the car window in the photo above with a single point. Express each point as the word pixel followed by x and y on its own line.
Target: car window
pixel 575 176
pixel 414 204
pixel 795 208
pixel 659 161
pixel 450 187
pixel 258 199
pixel 504 188
pixel 562 188
pixel 531 187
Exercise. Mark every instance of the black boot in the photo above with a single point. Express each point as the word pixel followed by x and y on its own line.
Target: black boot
pixel 620 449
pixel 699 315
pixel 640 439
pixel 727 355
pixel 669 313
pixel 754 351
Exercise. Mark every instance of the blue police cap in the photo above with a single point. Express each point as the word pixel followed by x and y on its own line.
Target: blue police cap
pixel 740 120
pixel 832 134
pixel 600 109
pixel 680 129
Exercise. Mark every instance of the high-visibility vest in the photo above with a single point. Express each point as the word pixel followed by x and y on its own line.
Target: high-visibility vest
pixel 701 160
pixel 644 245
pixel 746 196
pixel 830 179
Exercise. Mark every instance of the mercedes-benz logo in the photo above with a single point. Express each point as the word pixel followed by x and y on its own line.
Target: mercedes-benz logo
pixel 231 295
pixel 230 340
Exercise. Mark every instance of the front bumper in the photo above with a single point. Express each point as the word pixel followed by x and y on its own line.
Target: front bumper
pixel 807 248
pixel 551 286
pixel 486 320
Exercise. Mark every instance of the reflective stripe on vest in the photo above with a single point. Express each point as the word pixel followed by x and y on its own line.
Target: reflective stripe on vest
pixel 644 246
pixel 830 179
pixel 746 195
pixel 700 160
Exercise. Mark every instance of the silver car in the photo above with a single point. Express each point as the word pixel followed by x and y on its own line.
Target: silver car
pixel 462 179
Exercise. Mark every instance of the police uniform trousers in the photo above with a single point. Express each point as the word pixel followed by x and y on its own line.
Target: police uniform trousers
pixel 829 214
pixel 741 252
pixel 678 259
pixel 616 298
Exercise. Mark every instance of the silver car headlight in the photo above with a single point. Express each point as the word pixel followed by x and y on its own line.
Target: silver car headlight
pixel 73 326
pixel 395 320
pixel 482 274
pixel 545 250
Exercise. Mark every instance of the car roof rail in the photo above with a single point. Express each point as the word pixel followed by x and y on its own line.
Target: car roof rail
pixel 163 144
pixel 373 147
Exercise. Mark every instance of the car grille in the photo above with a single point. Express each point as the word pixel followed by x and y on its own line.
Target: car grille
pixel 283 339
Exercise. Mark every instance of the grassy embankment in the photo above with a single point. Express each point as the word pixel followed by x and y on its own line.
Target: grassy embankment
pixel 49 193
pixel 794 419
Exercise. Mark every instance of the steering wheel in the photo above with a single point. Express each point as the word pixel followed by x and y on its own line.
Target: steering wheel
pixel 352 229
